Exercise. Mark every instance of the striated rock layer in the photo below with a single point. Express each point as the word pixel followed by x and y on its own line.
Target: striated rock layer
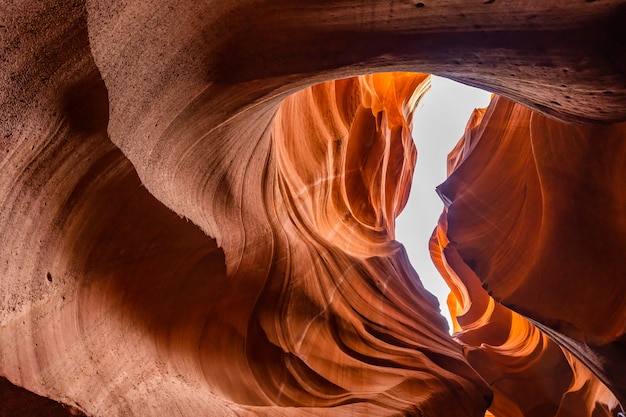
pixel 533 205
pixel 197 220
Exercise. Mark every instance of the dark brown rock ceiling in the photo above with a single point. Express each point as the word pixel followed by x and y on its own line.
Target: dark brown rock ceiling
pixel 198 203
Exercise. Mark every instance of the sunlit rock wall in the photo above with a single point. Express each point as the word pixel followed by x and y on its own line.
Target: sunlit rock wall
pixel 533 205
pixel 191 226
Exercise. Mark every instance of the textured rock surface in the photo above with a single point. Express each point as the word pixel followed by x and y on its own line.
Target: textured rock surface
pixel 575 174
pixel 532 204
pixel 188 229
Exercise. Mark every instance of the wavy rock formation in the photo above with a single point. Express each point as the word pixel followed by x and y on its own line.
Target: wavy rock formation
pixel 197 220
pixel 532 203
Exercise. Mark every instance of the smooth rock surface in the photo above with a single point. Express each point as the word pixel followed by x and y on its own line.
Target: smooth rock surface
pixel 197 220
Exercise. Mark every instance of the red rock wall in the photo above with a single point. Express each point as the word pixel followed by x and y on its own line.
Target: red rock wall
pixel 189 229
pixel 559 206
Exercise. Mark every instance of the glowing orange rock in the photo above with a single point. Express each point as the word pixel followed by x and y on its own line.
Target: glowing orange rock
pixel 517 194
pixel 341 200
pixel 308 303
pixel 189 228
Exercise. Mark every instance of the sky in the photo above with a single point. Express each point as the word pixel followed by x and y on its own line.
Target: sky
pixel 438 124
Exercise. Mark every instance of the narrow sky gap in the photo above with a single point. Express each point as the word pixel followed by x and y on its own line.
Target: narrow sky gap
pixel 438 124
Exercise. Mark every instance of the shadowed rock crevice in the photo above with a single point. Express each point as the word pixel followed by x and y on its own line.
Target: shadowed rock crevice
pixel 16 401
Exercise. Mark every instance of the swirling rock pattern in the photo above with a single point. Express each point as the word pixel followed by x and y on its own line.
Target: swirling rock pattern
pixel 559 205
pixel 196 220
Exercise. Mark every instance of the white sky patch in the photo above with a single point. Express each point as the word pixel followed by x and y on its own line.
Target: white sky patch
pixel 438 124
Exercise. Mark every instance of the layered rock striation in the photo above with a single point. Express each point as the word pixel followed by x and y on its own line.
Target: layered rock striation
pixel 198 203
pixel 521 357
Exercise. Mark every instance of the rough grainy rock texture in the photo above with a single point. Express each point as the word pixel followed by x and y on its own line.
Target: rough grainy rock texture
pixel 196 220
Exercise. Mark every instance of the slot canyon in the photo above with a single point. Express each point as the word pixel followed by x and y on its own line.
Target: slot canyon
pixel 198 204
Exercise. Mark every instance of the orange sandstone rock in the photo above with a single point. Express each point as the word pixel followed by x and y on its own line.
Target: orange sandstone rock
pixel 191 227
pixel 509 182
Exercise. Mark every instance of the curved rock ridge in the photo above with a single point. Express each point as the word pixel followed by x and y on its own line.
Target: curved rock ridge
pixel 191 227
pixel 343 179
pixel 529 373
pixel 492 248
pixel 346 157
pixel 129 309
